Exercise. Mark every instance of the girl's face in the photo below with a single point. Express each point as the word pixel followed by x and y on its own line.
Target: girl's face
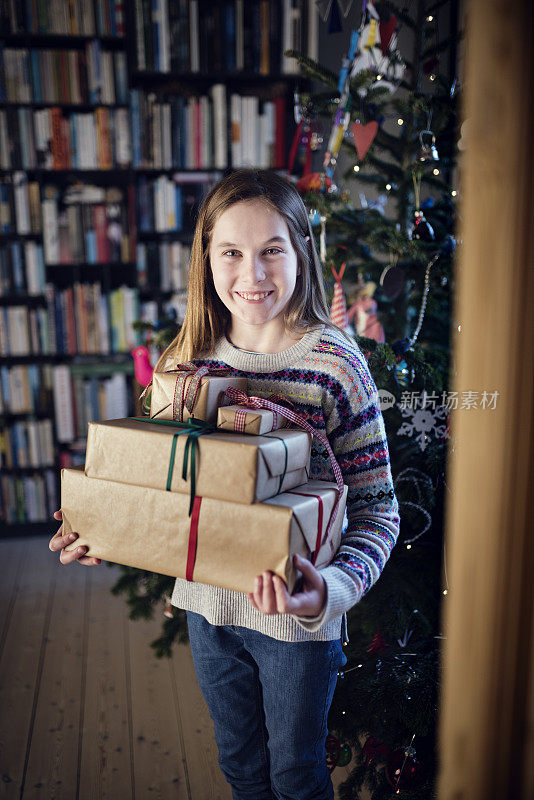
pixel 253 264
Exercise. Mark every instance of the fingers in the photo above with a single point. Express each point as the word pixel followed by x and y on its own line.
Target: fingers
pixel 60 540
pixel 268 596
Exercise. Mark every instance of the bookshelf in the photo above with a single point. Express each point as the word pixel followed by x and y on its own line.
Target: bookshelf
pixel 115 120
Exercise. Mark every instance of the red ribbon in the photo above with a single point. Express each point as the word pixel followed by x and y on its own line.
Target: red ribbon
pixel 193 538
pixel 237 396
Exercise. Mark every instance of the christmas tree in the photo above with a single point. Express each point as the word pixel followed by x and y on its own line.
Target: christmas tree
pixel 391 117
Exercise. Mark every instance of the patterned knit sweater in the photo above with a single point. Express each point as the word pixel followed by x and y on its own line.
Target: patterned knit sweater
pixel 328 381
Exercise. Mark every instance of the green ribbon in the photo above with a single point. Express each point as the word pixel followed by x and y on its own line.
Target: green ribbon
pixel 194 428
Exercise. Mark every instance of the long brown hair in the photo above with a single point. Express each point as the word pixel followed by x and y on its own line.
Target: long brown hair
pixel 207 318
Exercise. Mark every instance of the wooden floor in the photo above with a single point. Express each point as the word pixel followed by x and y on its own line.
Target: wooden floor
pixel 86 710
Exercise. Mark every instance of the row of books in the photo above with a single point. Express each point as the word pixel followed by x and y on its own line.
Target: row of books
pixel 75 17
pixel 26 389
pixel 163 265
pixel 22 269
pixel 87 224
pixel 225 35
pixel 78 319
pixel 94 75
pixel 88 393
pixel 29 498
pixel 165 204
pixel 49 138
pixel 20 205
pixel 26 444
pixel 194 132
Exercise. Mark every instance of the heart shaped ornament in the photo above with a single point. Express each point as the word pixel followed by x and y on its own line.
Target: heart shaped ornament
pixel 364 136
pixel 386 31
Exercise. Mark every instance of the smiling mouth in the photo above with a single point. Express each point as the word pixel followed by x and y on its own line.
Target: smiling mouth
pixel 253 295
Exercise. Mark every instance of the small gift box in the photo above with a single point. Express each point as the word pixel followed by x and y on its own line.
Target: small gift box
pixel 228 466
pixel 223 543
pixel 188 391
pixel 249 420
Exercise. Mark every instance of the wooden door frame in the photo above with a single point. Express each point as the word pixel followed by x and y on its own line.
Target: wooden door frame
pixel 486 735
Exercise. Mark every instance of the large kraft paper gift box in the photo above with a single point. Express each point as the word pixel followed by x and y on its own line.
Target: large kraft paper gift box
pixel 228 466
pixel 189 391
pixel 222 543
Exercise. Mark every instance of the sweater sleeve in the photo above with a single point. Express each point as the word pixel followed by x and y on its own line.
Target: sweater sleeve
pixel 356 432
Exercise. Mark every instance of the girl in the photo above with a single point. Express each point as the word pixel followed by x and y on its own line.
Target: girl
pixel 267 662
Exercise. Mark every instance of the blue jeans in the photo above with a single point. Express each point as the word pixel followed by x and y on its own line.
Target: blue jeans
pixel 269 702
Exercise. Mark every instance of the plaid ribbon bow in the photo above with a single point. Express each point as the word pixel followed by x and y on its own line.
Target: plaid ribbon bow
pixel 240 398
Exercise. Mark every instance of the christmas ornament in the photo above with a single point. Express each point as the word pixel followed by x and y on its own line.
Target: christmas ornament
pixel 401 346
pixel 374 749
pixel 338 311
pixel 364 136
pixel 378 644
pixel 427 150
pixel 403 374
pixel 142 368
pixel 303 136
pixel 403 770
pixel 392 279
pixel 167 612
pixel 342 115
pixel 314 182
pixel 378 52
pixel 363 316
pixel 333 751
pixel 386 30
pixel 314 217
pixel 448 247
pixel 345 755
pixel 422 229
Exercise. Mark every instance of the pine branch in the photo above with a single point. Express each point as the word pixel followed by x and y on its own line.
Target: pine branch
pixel 313 69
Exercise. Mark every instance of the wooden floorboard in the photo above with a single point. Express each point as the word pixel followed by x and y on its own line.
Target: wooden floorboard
pixel 86 710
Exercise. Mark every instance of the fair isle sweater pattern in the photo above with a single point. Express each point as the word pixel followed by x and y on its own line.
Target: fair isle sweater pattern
pixel 327 379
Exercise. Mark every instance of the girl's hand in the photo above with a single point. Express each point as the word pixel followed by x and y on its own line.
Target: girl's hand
pixel 59 541
pixel 270 594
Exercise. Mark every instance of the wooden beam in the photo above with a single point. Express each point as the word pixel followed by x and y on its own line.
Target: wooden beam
pixel 487 704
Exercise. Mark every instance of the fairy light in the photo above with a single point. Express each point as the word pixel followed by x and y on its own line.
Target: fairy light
pixel 459 328
pixel 432 77
pixel 388 187
pixel 430 18
pixel 454 193
pixel 408 547
pixel 356 168
pixel 379 77
pixel 436 171
pixel 445 591
pixel 400 121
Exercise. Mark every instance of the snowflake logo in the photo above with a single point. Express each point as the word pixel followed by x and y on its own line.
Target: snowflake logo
pixel 423 422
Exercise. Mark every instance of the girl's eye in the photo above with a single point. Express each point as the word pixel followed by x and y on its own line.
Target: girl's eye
pixel 229 252
pixel 274 250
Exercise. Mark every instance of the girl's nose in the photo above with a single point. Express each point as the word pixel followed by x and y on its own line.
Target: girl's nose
pixel 252 269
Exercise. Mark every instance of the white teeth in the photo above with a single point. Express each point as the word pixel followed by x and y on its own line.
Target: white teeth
pixel 256 296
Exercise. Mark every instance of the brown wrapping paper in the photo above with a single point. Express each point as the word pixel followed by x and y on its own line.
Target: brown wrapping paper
pixel 230 466
pixel 150 529
pixel 209 397
pixel 255 421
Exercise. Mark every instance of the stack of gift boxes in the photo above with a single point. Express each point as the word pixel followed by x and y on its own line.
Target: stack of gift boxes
pixel 204 489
